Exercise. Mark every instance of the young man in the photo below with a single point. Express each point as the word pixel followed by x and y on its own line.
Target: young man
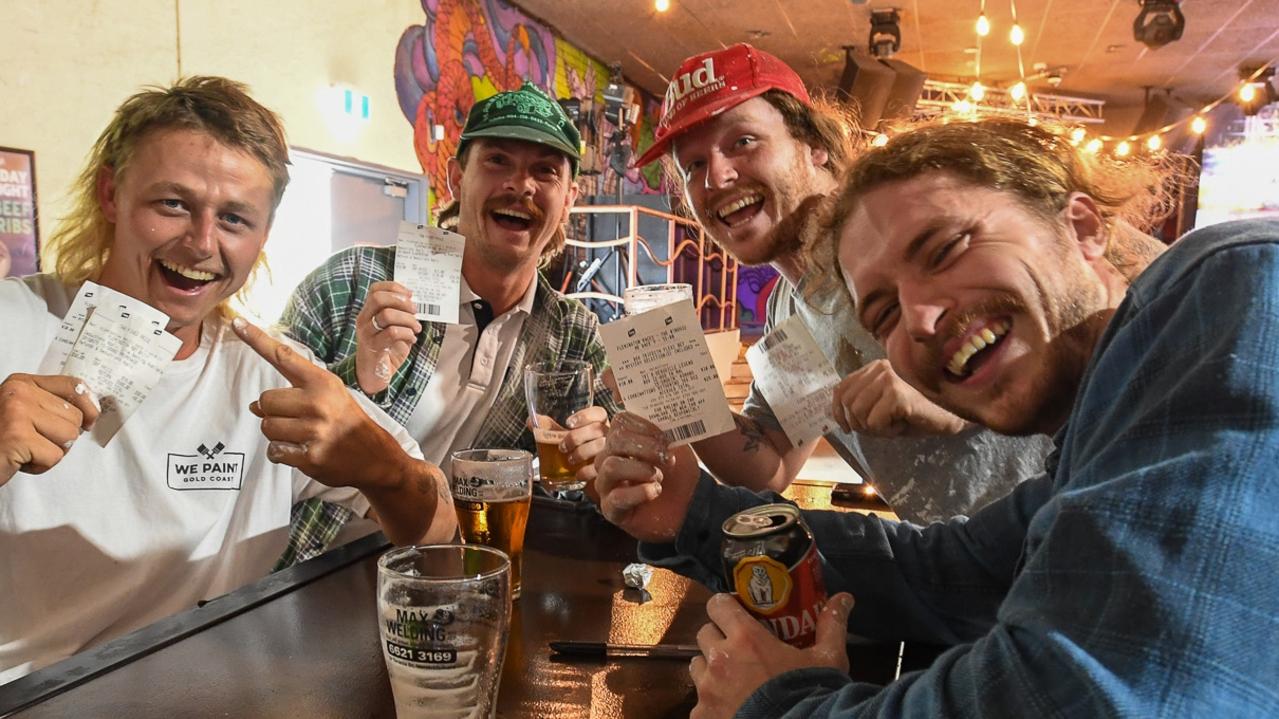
pixel 755 155
pixel 1135 577
pixel 460 386
pixel 173 209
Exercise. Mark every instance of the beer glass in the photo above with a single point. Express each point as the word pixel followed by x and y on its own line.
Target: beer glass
pixel 642 298
pixel 555 391
pixel 492 490
pixel 444 612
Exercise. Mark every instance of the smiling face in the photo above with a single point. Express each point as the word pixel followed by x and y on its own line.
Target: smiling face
pixel 189 217
pixel 744 174
pixel 512 196
pixel 989 309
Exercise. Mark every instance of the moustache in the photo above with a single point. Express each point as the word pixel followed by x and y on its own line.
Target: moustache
pixel 1000 304
pixel 512 201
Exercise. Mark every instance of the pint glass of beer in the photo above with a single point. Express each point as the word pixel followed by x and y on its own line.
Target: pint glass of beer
pixel 444 612
pixel 555 391
pixel 492 490
pixel 642 298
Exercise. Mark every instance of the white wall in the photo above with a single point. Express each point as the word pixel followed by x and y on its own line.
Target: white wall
pixel 66 64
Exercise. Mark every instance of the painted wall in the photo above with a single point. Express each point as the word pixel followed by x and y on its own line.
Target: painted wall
pixel 462 51
pixel 67 64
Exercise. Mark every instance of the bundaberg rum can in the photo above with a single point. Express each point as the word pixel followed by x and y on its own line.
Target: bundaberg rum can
pixel 772 564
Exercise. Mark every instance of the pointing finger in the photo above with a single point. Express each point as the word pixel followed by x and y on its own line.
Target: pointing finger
pixel 296 369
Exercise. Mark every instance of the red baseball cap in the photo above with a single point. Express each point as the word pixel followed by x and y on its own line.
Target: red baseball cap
pixel 706 85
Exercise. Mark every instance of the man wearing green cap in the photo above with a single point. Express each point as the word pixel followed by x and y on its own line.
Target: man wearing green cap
pixel 455 386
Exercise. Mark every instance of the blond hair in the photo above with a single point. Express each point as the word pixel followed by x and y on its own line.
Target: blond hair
pixel 79 248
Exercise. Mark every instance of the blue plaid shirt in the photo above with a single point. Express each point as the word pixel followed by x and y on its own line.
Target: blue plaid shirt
pixel 1138 577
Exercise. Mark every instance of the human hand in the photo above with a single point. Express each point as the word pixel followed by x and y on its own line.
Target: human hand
pixel 875 401
pixel 40 418
pixel 385 331
pixel 644 484
pixel 587 433
pixel 316 425
pixel 739 655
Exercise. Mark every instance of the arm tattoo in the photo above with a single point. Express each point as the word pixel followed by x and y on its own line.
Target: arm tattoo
pixel 751 431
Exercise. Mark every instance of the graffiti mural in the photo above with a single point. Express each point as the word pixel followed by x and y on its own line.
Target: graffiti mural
pixel 467 50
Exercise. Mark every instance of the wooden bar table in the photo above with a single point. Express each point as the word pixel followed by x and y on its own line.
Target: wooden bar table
pixel 304 642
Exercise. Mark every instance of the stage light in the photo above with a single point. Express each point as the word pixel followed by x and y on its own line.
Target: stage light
pixel 1247 92
pixel 1017 92
pixel 1093 146
pixel 1154 142
pixel 880 140
pixel 885 33
pixel 1016 35
pixel 662 5
pixel 1159 23
pixel 977 91
pixel 1123 149
pixel 1077 135
pixel 983 26
pixel 1256 91
pixel 1198 125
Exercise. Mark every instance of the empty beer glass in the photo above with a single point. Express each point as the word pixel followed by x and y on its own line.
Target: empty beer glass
pixel 555 391
pixel 492 490
pixel 642 298
pixel 444 612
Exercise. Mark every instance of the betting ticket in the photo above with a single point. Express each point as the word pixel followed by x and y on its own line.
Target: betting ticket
pixel 118 346
pixel 428 261
pixel 665 372
pixel 796 378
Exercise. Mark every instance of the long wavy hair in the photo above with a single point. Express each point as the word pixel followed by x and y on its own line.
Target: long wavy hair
pixel 79 248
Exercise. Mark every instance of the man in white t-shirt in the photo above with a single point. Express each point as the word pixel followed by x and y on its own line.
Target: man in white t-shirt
pixel 191 497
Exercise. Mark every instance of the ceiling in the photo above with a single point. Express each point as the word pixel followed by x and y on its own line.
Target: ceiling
pixel 1091 39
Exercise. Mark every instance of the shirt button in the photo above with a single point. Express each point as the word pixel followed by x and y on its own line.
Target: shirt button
pixel 478 305
pixel 484 361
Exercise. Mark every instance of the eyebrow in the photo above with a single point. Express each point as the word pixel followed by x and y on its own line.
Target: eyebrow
pixel 236 206
pixel 912 249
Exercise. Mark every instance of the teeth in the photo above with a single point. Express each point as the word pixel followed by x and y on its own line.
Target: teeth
pixel 738 204
pixel 514 213
pixel 188 272
pixel 976 343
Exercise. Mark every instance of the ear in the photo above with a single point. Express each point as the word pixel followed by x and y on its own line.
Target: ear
pixel 570 198
pixel 1084 220
pixel 106 189
pixel 453 178
pixel 818 156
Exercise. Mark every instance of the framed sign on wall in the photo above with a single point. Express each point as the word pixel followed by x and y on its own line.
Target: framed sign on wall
pixel 19 229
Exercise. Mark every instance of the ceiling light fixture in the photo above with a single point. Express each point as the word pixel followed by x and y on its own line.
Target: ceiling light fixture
pixel 983 25
pixel 1159 23
pixel 885 33
pixel 662 5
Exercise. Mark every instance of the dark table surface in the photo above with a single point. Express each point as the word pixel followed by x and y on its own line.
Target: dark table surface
pixel 304 643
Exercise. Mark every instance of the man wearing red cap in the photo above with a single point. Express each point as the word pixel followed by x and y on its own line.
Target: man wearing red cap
pixel 756 155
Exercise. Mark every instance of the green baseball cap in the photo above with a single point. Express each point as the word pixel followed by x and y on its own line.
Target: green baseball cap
pixel 527 114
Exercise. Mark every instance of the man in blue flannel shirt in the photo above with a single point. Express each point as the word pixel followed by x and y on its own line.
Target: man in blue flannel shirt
pixel 1000 268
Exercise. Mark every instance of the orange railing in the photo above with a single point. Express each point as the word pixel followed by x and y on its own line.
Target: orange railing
pixel 715 297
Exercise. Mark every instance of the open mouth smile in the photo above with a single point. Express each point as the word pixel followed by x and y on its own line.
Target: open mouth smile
pixel 183 278
pixel 741 209
pixel 979 344
pixel 512 219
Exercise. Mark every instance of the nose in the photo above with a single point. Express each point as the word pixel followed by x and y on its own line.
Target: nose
pixel 719 171
pixel 921 311
pixel 520 181
pixel 202 237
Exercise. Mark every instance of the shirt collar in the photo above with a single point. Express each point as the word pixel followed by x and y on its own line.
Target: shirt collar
pixel 525 305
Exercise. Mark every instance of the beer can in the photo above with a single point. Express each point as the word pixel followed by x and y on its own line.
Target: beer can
pixel 772 564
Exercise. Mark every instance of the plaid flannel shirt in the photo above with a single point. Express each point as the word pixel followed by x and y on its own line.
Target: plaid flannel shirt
pixel 321 314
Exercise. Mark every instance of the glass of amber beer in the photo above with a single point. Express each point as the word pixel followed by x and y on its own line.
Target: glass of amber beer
pixel 492 490
pixel 555 391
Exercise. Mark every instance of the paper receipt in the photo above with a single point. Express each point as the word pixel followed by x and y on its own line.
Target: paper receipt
pixel 121 355
pixel 797 380
pixel 428 261
pixel 666 374
pixel 90 297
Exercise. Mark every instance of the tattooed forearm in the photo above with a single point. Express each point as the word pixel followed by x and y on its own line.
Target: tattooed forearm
pixel 749 430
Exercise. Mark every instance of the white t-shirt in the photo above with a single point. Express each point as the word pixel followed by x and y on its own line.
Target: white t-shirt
pixel 181 506
pixel 469 373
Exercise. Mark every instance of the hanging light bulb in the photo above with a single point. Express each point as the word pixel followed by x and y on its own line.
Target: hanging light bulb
pixel 962 107
pixel 1247 92
pixel 1017 92
pixel 1198 125
pixel 880 140
pixel 1077 135
pixel 983 25
pixel 1093 146
pixel 1016 35
pixel 662 5
pixel 1123 149
pixel 1154 142
pixel 977 91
